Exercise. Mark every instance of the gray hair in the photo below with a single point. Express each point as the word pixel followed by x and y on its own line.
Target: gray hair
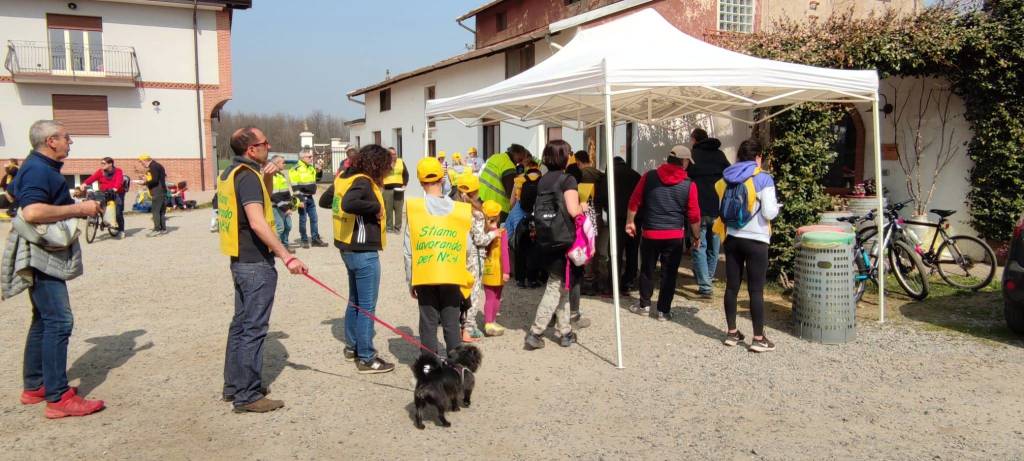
pixel 43 130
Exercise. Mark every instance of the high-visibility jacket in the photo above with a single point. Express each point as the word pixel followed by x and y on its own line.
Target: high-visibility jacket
pixel 438 245
pixel 281 196
pixel 395 176
pixel 303 177
pixel 345 223
pixel 228 211
pixel 491 187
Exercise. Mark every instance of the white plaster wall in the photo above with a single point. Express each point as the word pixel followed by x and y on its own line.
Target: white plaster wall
pixel 162 36
pixel 135 125
pixel 653 143
pixel 953 186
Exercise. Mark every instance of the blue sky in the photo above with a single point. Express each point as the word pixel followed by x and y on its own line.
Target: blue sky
pixel 295 56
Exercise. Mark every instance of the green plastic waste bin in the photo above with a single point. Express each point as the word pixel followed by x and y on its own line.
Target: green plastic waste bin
pixel 824 307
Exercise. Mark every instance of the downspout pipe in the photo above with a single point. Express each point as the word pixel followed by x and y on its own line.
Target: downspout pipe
pixel 459 22
pixel 199 102
pixel 353 99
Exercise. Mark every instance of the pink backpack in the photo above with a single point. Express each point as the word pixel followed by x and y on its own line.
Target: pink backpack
pixel 583 248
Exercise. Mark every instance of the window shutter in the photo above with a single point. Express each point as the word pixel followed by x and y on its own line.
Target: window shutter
pixel 82 114
pixel 67 21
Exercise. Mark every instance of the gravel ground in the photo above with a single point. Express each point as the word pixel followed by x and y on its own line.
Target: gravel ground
pixel 151 320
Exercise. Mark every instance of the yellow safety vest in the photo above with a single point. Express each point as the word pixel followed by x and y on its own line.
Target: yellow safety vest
pixel 281 184
pixel 302 174
pixel 228 212
pixel 491 187
pixel 395 177
pixel 492 265
pixel 345 223
pixel 439 245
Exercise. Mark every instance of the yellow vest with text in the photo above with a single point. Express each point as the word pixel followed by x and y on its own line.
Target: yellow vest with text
pixel 228 212
pixel 492 276
pixel 491 187
pixel 439 245
pixel 395 177
pixel 345 223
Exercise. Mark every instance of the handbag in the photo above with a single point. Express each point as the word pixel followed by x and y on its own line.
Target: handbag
pixel 52 237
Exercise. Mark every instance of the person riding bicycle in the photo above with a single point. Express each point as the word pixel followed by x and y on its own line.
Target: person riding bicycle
pixel 111 181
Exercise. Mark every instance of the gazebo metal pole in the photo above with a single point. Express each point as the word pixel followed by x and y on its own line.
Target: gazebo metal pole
pixel 880 216
pixel 612 225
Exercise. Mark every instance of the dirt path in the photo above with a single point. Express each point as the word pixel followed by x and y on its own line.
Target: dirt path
pixel 151 316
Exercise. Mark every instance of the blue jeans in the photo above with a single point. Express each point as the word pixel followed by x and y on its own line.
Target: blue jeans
pixel 363 283
pixel 46 348
pixel 705 257
pixel 255 285
pixel 308 210
pixel 283 223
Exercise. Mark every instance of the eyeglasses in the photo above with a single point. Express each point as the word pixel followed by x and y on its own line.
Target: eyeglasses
pixel 264 143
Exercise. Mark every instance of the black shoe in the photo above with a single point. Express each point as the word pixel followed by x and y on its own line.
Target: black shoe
pixel 305 244
pixel 350 354
pixel 520 284
pixel 534 342
pixel 706 294
pixel 734 338
pixel 319 243
pixel 377 365
pixel 567 340
pixel 664 316
pixel 536 284
pixel 762 345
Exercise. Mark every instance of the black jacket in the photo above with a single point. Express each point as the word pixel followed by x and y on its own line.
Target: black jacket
pixel 159 176
pixel 708 163
pixel 626 180
pixel 362 202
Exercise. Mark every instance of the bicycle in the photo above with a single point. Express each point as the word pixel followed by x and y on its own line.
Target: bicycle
pixel 96 223
pixel 963 261
pixel 903 261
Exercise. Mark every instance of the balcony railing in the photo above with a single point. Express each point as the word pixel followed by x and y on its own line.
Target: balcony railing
pixel 63 63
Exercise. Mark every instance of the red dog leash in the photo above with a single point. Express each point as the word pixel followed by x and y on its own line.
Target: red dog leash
pixel 408 338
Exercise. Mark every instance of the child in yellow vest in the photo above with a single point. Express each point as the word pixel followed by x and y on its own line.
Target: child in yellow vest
pixel 469 186
pixel 495 270
pixel 436 241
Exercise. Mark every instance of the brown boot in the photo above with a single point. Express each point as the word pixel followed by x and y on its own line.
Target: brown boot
pixel 263 405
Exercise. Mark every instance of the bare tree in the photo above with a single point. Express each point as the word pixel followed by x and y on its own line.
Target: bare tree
pixel 282 130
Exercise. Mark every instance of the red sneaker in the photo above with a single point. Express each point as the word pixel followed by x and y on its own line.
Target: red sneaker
pixel 33 397
pixel 71 404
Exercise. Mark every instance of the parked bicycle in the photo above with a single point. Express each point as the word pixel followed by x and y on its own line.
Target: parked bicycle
pixel 962 261
pixel 94 224
pixel 903 261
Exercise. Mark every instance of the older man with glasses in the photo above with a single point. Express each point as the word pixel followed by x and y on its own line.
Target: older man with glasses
pixel 112 185
pixel 303 177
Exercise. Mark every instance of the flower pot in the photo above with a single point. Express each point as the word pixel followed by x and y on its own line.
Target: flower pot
pixel 1001 248
pixel 862 205
pixel 924 234
pixel 832 218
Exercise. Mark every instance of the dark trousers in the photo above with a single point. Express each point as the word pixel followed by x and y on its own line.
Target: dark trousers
pixel 628 254
pixel 752 256
pixel 669 253
pixel 46 347
pixel 159 208
pixel 527 266
pixel 255 285
pixel 440 305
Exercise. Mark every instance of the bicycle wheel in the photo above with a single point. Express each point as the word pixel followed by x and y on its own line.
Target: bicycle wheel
pixel 92 225
pixel 908 269
pixel 112 230
pixel 864 272
pixel 966 262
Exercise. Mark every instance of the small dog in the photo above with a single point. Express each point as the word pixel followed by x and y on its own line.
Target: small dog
pixel 442 383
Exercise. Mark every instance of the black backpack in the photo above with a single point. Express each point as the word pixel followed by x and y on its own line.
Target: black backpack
pixel 556 230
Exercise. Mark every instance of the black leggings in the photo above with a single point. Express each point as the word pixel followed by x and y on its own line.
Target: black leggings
pixel 752 254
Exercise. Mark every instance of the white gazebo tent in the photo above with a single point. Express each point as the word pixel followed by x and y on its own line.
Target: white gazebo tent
pixel 640 68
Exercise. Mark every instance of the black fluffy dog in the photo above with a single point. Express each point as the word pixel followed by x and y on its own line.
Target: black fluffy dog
pixel 443 383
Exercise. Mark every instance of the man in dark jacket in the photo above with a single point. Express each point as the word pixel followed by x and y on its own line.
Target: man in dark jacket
pixel 156 181
pixel 706 170
pixel 628 246
pixel 670 208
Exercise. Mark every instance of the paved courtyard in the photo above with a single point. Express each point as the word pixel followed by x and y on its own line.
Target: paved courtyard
pixel 151 316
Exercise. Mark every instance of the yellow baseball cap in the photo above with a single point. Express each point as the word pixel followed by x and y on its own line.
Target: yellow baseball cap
pixel 145 157
pixel 491 209
pixel 456 156
pixel 468 182
pixel 429 170
pixel 440 154
pixel 471 150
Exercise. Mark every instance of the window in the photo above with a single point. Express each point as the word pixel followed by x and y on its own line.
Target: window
pixel 491 135
pixel 82 114
pixel 432 148
pixel 570 2
pixel 376 138
pixel 431 94
pixel 385 100
pixel 501 19
pixel 359 142
pixel 398 141
pixel 518 59
pixel 75 42
pixel 554 132
pixel 736 15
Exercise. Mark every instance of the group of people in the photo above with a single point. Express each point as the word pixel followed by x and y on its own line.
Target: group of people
pixel 472 232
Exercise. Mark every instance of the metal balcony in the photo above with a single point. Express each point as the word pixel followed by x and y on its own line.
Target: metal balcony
pixel 39 62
